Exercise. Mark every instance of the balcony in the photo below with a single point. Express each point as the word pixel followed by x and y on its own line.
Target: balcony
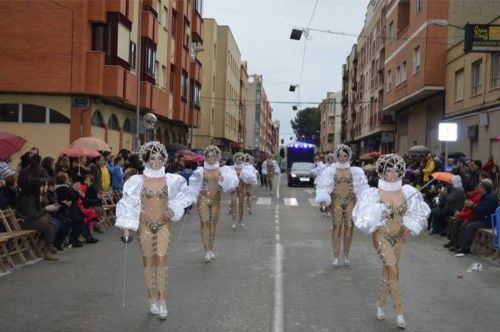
pixel 96 11
pixel 95 73
pixel 197 28
pixel 149 26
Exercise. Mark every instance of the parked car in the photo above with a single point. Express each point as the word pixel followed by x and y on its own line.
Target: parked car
pixel 300 173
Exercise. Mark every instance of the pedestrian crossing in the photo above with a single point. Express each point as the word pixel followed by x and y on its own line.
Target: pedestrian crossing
pixel 288 201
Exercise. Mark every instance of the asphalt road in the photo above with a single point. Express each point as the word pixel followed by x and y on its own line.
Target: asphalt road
pixel 274 274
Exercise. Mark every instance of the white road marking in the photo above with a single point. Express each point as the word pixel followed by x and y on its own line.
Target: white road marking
pixel 278 187
pixel 310 191
pixel 264 201
pixel 291 201
pixel 278 281
pixel 313 203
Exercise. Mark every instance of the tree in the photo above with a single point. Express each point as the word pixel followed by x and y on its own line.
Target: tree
pixel 306 124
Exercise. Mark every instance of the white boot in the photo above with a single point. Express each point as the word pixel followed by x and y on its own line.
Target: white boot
pixel 380 313
pixel 162 311
pixel 212 254
pixel 335 262
pixel 153 309
pixel 347 262
pixel 234 225
pixel 401 322
pixel 242 224
pixel 208 257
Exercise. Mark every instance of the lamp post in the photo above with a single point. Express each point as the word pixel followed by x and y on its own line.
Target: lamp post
pixel 194 55
pixel 138 52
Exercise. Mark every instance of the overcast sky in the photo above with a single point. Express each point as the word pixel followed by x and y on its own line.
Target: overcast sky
pixel 262 31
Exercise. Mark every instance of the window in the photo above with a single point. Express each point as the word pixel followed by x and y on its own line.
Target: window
pixel 459 85
pixel 127 128
pixel 158 76
pixel 187 38
pixel 398 75
pixel 389 80
pixel 33 114
pixel 9 112
pixel 113 122
pixel 163 77
pixel 149 60
pixel 213 116
pixel 97 119
pixel 196 94
pixel 215 51
pixel 403 19
pixel 403 72
pixel 165 17
pixel 184 85
pixel 172 77
pixel 213 83
pixel 476 78
pixel 174 23
pixel 132 54
pixel 198 6
pixel 99 37
pixel 56 117
pixel 158 10
pixel 495 70
pixel 330 138
pixel 419 5
pixel 416 60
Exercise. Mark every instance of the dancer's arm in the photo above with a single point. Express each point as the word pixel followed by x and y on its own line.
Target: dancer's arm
pixel 417 212
pixel 195 183
pixel 368 214
pixel 229 180
pixel 324 186
pixel 359 181
pixel 178 196
pixel 248 175
pixel 129 206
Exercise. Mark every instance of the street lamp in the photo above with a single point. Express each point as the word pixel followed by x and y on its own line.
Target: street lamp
pixel 444 23
pixel 292 88
pixel 296 34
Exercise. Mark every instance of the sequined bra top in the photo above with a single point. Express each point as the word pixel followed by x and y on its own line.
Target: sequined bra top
pixel 343 179
pixel 210 184
pixel 398 211
pixel 149 193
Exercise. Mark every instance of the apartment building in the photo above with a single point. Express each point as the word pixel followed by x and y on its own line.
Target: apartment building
pixel 473 97
pixel 221 97
pixel 74 73
pixel 330 122
pixel 243 106
pixel 414 71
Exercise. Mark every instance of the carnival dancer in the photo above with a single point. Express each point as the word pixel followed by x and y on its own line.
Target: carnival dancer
pixel 206 185
pixel 248 178
pixel 249 160
pixel 329 160
pixel 391 212
pixel 150 202
pixel 338 186
pixel 270 169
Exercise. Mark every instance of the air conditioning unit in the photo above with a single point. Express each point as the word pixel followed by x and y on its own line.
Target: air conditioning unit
pixel 472 132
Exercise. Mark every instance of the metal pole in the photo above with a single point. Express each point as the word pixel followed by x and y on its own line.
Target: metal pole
pixel 138 53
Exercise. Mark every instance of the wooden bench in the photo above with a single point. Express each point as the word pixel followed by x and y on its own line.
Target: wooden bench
pixel 16 243
pixel 483 244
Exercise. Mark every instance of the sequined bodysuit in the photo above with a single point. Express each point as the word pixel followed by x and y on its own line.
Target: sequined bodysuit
pixel 343 202
pixel 154 236
pixel 209 207
pixel 238 198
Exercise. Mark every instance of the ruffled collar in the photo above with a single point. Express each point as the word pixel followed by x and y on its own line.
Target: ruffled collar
pixel 208 166
pixel 342 165
pixel 390 186
pixel 154 173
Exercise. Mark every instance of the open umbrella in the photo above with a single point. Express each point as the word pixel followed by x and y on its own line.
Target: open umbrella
pixel 375 154
pixel 75 152
pixel 10 144
pixel 418 149
pixel 443 176
pixel 189 155
pixel 456 155
pixel 366 156
pixel 91 143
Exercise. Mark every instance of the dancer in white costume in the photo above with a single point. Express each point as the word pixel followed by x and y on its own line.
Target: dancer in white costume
pixel 249 160
pixel 247 178
pixel 206 185
pixel 150 202
pixel 338 186
pixel 270 169
pixel 390 212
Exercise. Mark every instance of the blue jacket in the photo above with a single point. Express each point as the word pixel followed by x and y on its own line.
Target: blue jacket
pixel 117 175
pixel 486 207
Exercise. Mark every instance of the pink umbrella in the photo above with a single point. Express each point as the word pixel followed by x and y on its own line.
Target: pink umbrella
pixel 10 144
pixel 75 152
pixel 91 143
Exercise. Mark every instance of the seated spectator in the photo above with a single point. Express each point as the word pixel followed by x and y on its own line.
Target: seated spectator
pixel 70 213
pixel 62 164
pixel 430 166
pixel 91 217
pixel 35 216
pixel 450 166
pixel 77 171
pixel 473 181
pixel 454 201
pixel 9 192
pixel 5 169
pixel 25 158
pixel 116 172
pixel 33 171
pixel 482 214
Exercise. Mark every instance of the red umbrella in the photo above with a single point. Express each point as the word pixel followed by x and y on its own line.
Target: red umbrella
pixel 10 144
pixel 80 152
